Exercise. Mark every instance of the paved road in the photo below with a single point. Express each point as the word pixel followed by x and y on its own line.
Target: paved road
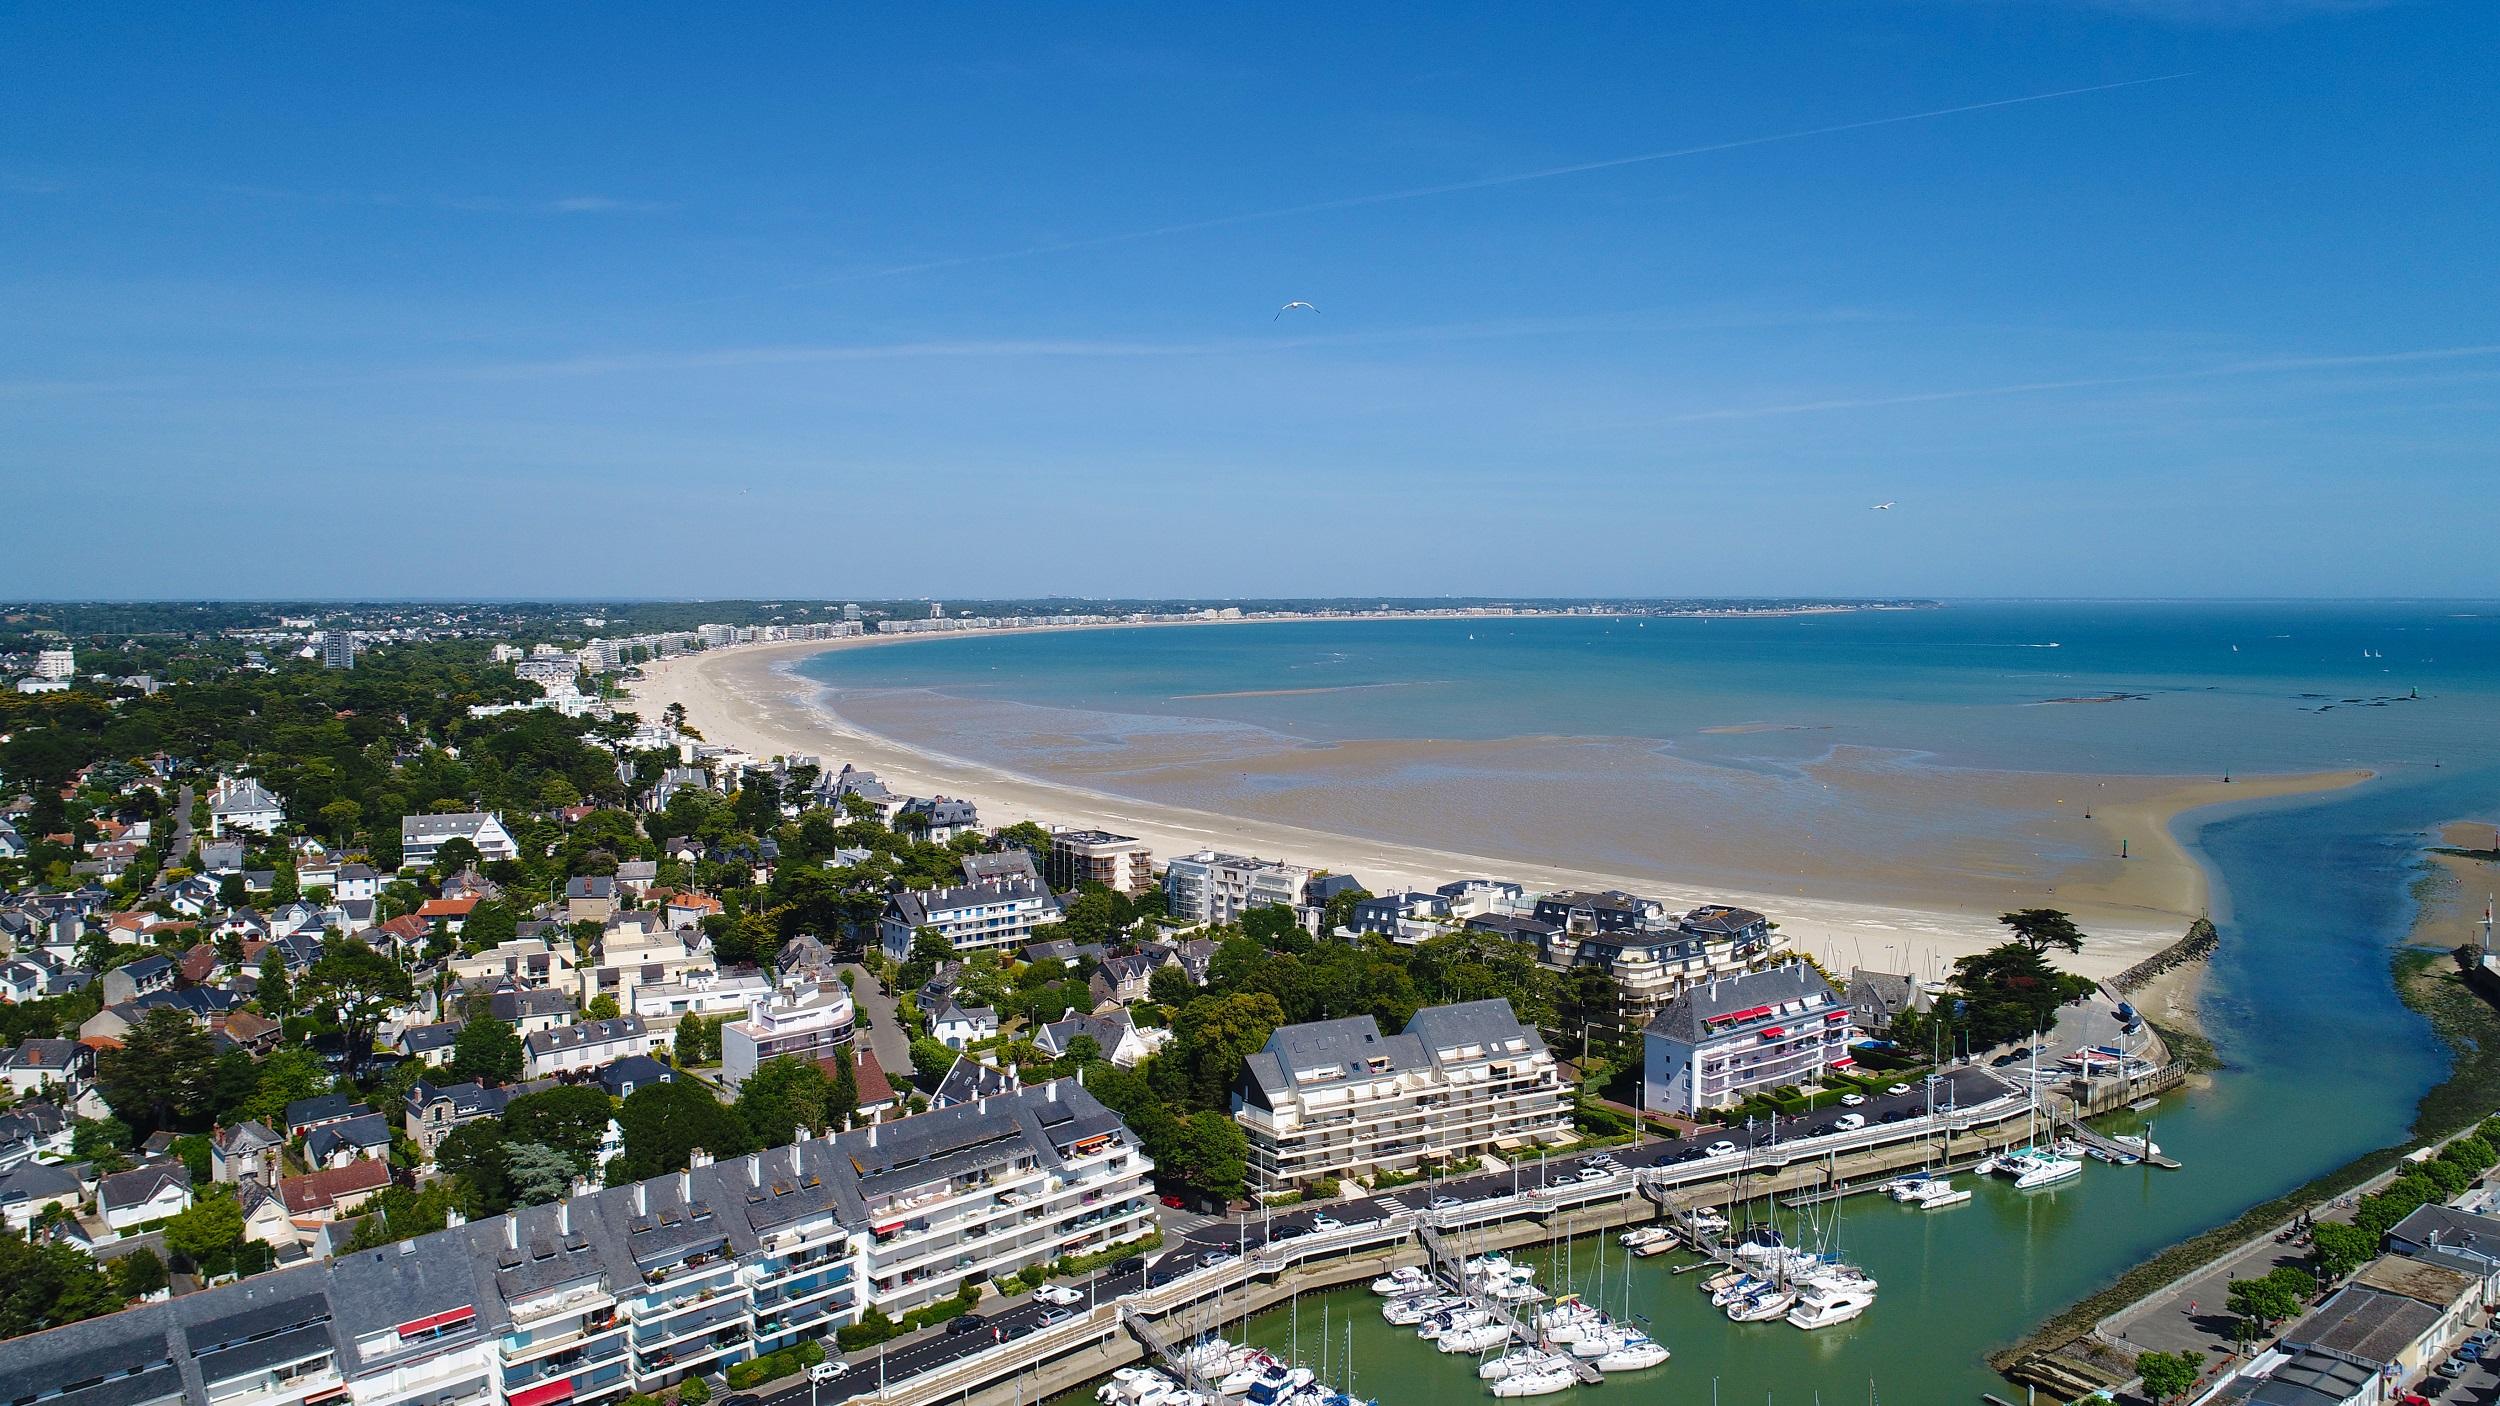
pixel 1189 1239
pixel 886 1035
pixel 183 834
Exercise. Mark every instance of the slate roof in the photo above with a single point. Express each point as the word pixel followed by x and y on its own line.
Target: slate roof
pixel 327 1108
pixel 1685 1017
pixel 583 1034
pixel 967 1081
pixel 138 1186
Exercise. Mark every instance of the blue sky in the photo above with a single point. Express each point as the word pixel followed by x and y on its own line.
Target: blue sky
pixel 964 300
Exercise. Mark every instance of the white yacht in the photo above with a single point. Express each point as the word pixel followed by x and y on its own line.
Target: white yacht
pixel 1525 1359
pixel 2033 1167
pixel 1415 1308
pixel 1540 1381
pixel 1644 1235
pixel 1480 1338
pixel 1399 1282
pixel 1823 1305
pixel 1636 1352
pixel 1770 1302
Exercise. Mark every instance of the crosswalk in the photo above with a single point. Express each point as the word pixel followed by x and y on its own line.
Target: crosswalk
pixel 1393 1205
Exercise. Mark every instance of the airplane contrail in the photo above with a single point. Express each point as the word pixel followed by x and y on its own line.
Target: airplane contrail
pixel 1547 173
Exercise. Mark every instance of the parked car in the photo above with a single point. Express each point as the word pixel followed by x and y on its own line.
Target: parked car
pixel 966 1323
pixel 1721 1148
pixel 1290 1231
pixel 1592 1174
pixel 1446 1203
pixel 1897 1089
pixel 1053 1317
pixel 827 1370
pixel 1172 1201
pixel 1215 1258
pixel 1057 1295
pixel 1852 1100
pixel 1324 1221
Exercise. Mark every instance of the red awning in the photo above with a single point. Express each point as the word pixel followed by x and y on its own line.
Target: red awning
pixel 888 1228
pixel 1843 1062
pixel 439 1320
pixel 1749 1013
pixel 1774 1033
pixel 561 1389
pixel 1836 1015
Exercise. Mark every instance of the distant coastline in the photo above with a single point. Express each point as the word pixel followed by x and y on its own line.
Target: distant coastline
pixel 746 696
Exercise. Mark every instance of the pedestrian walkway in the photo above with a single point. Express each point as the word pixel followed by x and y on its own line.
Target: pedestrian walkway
pixel 1392 1204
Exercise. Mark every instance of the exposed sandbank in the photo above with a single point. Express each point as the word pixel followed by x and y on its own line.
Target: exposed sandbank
pixel 1851 900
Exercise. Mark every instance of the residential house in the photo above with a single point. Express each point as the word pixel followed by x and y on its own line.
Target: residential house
pixel 357 882
pixel 586 1046
pixel 144 977
pixel 245 1151
pixel 306 1114
pixel 991 915
pixel 1337 1098
pixel 432 1110
pixel 2452 1238
pixel 530 1010
pixel 429 1045
pixel 1407 918
pixel 37 1062
pixel 29 1188
pixel 1115 1035
pixel 523 961
pixel 640 949
pixel 1005 864
pixel 633 1072
pixel 1723 1041
pixel 589 898
pixel 333 1192
pixel 636 876
pixel 241 803
pixel 1128 977
pixel 1876 999
pixel 128 1200
pixel 961 1027
pixel 969 1080
pixel 363 1137
pixel 421 837
pixel 703 993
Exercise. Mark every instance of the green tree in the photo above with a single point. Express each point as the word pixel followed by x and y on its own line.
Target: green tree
pixel 355 987
pixel 602 1007
pixel 692 1392
pixel 340 817
pixel 1171 987
pixel 102 1141
pixel 1212 1155
pixel 286 1075
pixel 2169 1374
pixel 138 1274
pixel 2043 928
pixel 49 1285
pixel 275 995
pixel 486 1048
pixel 664 1123
pixel 692 1042
pixel 570 1119
pixel 783 1096
pixel 165 1070
pixel 2339 1248
pixel 2009 991
pixel 929 949
pixel 2265 1301
pixel 489 924
pixel 842 1091
pixel 1211 1037
pixel 538 1174
pixel 208 1231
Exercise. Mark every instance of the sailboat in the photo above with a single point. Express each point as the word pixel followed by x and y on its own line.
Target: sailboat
pixel 2034 1166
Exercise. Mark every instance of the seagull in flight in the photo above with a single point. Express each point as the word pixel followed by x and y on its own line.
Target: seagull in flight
pixel 1883 507
pixel 1306 307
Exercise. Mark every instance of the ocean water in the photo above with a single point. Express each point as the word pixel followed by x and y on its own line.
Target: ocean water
pixel 2312 895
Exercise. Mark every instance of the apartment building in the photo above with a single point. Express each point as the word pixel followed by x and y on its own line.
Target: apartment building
pixel 639 950
pixel 990 913
pixel 1208 887
pixel 632 1288
pixel 801 1019
pixel 1653 955
pixel 587 1045
pixel 422 836
pixel 1118 863
pixel 241 803
pixel 1337 1098
pixel 1720 1042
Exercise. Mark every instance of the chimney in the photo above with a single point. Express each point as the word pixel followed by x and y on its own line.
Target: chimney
pixel 511 1231
pixel 642 1198
pixel 794 1159
pixel 452 1217
pixel 755 1168
pixel 1054 1091
pixel 872 1135
pixel 564 1217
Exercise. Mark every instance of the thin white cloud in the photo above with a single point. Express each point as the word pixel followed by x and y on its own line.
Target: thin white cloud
pixel 1352 202
pixel 2265 367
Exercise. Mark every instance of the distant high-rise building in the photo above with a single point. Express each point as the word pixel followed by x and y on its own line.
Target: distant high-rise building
pixel 937 610
pixel 850 612
pixel 338 649
pixel 56 664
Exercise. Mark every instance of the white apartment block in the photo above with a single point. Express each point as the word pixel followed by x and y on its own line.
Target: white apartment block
pixel 1723 1041
pixel 638 950
pixel 802 1019
pixel 1336 1098
pixel 989 913
pixel 1208 887
pixel 56 663
pixel 632 1288
pixel 1080 857
pixel 421 837
pixel 239 803
pixel 587 1046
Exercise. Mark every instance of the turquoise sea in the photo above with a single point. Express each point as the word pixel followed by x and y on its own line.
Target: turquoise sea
pixel 2312 895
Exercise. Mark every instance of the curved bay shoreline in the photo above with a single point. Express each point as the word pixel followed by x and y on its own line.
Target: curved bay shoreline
pixel 745 696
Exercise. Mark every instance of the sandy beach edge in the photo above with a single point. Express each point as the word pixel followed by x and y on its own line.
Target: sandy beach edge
pixel 745 696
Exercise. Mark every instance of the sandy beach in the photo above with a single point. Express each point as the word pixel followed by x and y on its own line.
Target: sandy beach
pixel 1848 905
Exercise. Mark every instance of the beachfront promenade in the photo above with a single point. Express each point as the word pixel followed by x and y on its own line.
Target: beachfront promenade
pixel 1261 1260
